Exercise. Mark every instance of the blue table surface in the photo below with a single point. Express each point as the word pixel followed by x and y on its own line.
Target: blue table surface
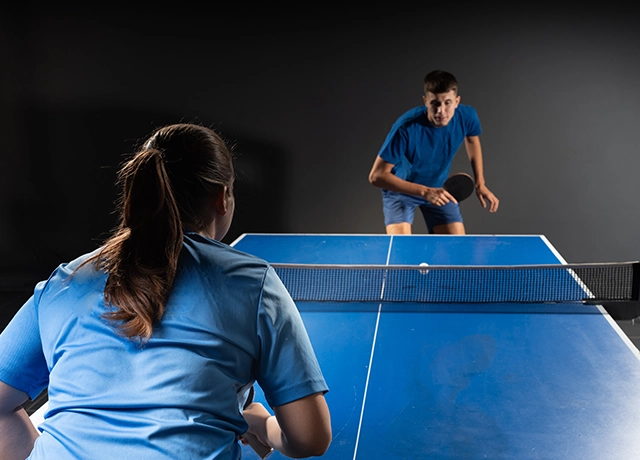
pixel 463 381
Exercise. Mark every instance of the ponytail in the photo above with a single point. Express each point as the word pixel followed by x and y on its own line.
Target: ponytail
pixel 170 183
pixel 142 255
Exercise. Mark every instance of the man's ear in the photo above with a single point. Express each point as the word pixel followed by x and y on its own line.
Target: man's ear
pixel 222 201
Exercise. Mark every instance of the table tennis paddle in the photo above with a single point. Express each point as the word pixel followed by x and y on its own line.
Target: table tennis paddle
pixel 259 448
pixel 460 186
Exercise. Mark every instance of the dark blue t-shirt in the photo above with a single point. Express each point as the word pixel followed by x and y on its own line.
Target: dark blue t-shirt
pixel 422 153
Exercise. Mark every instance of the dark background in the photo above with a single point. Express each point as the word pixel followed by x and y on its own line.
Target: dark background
pixel 308 96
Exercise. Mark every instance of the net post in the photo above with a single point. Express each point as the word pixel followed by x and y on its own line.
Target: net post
pixel 635 285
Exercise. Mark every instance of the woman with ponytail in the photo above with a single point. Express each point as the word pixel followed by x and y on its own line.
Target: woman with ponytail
pixel 149 346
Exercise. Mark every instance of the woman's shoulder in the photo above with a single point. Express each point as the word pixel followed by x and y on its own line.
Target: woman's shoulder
pixel 202 249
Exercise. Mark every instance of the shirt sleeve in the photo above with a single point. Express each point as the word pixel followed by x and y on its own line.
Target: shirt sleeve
pixel 472 123
pixel 395 147
pixel 22 362
pixel 288 368
pixel 395 143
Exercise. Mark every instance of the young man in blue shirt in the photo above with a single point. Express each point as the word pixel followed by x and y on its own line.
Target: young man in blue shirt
pixel 416 158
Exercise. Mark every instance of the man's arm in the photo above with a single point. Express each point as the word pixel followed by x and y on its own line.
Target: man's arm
pixel 381 176
pixel 474 152
pixel 17 433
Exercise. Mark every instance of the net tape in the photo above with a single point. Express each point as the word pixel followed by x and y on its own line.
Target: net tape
pixel 585 283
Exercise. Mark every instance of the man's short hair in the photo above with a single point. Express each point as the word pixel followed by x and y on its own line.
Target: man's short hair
pixel 440 81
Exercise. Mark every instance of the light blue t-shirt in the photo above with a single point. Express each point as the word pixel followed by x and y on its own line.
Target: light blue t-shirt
pixel 229 321
pixel 422 153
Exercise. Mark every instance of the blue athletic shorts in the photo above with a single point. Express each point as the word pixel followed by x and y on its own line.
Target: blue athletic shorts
pixel 398 207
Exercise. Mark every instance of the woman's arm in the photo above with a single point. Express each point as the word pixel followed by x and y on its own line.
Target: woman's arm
pixel 299 429
pixel 17 433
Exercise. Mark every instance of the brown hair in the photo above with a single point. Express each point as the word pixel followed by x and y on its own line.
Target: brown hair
pixel 167 184
pixel 440 81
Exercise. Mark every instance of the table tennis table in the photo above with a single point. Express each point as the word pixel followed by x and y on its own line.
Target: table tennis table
pixel 463 381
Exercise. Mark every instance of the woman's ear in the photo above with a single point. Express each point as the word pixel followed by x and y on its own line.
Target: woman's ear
pixel 222 201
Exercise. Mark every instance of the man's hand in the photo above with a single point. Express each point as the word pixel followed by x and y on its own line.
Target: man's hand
pixel 437 196
pixel 485 195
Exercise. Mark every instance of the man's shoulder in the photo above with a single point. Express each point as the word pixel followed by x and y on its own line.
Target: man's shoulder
pixel 410 116
pixel 467 120
pixel 466 110
pixel 414 112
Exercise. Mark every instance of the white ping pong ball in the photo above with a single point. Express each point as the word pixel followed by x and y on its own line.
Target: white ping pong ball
pixel 424 264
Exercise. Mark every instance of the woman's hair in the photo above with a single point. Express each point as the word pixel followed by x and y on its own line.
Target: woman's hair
pixel 169 183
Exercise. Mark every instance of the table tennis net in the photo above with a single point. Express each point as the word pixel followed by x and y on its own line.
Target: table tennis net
pixel 585 283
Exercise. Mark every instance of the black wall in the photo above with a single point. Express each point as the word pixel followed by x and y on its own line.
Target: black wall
pixel 308 97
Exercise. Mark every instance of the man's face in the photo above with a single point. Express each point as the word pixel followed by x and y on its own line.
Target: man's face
pixel 441 107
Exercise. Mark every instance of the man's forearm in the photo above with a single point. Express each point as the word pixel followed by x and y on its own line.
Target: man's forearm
pixel 395 184
pixel 478 171
pixel 474 153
